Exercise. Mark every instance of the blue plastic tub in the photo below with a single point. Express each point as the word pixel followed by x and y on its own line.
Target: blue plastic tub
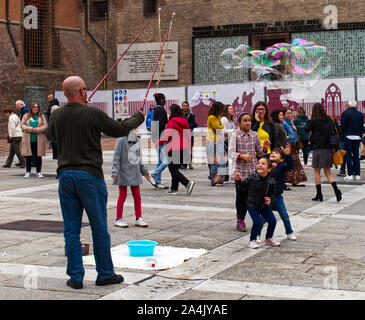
pixel 141 248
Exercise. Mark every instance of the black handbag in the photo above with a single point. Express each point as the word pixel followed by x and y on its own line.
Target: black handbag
pixel 335 142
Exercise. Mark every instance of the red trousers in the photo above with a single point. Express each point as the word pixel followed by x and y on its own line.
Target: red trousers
pixel 136 197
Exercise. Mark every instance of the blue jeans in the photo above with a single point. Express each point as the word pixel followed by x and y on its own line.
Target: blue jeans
pixel 215 159
pixel 79 190
pixel 279 206
pixel 162 162
pixel 343 165
pixel 352 156
pixel 256 216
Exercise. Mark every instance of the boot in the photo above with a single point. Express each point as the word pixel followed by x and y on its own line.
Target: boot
pixel 319 195
pixel 337 191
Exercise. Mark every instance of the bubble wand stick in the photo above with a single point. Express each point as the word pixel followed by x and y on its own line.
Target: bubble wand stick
pixel 116 63
pixel 157 61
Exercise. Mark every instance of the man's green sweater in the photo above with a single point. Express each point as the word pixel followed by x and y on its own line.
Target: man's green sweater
pixel 77 130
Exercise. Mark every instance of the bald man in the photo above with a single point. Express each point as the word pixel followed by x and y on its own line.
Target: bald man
pixel 77 129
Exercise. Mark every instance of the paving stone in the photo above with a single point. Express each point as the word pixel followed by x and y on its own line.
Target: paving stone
pixel 206 295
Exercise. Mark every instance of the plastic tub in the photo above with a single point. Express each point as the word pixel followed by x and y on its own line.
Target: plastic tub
pixel 141 248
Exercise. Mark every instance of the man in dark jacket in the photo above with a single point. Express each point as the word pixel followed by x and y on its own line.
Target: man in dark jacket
pixel 352 125
pixel 158 125
pixel 190 117
pixel 51 102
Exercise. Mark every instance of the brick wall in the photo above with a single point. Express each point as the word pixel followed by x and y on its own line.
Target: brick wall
pixel 128 22
pixel 14 75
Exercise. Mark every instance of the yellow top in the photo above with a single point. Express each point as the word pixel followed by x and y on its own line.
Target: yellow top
pixel 214 125
pixel 263 135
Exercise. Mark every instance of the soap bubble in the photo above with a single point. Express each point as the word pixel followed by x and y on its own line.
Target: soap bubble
pixel 295 67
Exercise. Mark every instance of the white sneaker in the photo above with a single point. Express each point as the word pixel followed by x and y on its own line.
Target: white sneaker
pixel 27 175
pixel 189 187
pixel 121 223
pixel 253 244
pixel 291 236
pixel 258 240
pixel 357 177
pixel 348 178
pixel 141 223
pixel 40 175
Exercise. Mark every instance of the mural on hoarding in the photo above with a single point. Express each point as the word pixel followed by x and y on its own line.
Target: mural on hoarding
pixel 242 97
pixel 332 101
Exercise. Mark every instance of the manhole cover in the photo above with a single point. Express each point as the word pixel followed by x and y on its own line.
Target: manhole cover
pixel 36 226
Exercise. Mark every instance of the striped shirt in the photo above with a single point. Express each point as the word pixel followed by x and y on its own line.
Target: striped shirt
pixel 244 143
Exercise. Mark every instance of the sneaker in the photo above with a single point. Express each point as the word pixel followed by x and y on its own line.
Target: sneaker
pixel 172 192
pixel 190 187
pixel 40 175
pixel 272 242
pixel 27 175
pixel 348 178
pixel 161 186
pixel 74 284
pixel 141 223
pixel 253 244
pixel 121 223
pixel 291 236
pixel 341 174
pixel 117 278
pixel 258 239
pixel 241 226
pixel 357 177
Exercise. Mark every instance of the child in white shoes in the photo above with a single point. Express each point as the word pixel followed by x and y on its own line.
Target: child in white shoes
pixel 127 170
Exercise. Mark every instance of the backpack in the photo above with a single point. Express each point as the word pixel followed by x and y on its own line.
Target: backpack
pixel 149 119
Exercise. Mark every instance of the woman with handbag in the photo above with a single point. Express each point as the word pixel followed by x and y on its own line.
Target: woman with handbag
pixel 322 128
pixel 14 138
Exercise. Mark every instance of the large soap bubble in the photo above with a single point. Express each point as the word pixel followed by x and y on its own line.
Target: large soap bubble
pixel 295 67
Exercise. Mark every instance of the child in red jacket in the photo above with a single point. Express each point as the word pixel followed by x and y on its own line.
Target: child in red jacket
pixel 177 135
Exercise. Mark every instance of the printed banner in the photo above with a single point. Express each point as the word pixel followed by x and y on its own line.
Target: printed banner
pixel 241 96
pixel 102 99
pixel 127 101
pixel 361 94
pixel 333 94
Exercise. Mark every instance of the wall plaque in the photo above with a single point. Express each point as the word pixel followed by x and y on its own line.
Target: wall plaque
pixel 139 61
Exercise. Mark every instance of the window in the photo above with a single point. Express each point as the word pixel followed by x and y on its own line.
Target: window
pixel 98 9
pixel 149 7
pixel 41 44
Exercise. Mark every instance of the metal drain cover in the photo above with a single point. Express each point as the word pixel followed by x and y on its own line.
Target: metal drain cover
pixel 36 226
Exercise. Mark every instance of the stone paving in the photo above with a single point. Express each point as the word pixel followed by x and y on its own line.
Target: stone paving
pixel 326 262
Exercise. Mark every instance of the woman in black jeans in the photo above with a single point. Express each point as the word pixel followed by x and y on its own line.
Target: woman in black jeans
pixel 177 137
pixel 34 125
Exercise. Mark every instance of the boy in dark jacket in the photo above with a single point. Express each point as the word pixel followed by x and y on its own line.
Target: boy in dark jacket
pixel 260 190
pixel 282 163
pixel 157 127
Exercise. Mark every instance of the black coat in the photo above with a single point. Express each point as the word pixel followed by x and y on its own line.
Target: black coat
pixel 160 115
pixel 321 132
pixel 256 188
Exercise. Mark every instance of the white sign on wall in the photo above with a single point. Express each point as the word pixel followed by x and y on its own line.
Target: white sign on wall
pixel 139 61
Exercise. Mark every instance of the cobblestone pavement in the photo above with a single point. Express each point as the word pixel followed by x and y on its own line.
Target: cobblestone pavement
pixel 326 262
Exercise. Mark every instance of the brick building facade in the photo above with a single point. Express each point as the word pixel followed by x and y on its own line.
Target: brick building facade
pixel 79 42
